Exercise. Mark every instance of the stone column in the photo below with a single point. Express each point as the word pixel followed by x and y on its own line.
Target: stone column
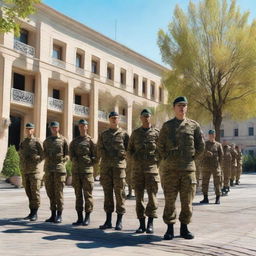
pixel 93 111
pixel 139 85
pixel 129 116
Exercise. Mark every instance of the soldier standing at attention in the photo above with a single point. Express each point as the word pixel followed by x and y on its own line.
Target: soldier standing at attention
pixel 239 164
pixel 112 147
pixel 82 153
pixel 56 155
pixel 234 154
pixel 142 149
pixel 226 166
pixel 212 159
pixel 31 154
pixel 180 141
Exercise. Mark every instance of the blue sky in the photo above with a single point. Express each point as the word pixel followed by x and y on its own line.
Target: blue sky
pixel 137 21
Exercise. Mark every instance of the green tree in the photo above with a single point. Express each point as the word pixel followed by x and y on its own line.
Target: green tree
pixel 12 10
pixel 11 163
pixel 211 50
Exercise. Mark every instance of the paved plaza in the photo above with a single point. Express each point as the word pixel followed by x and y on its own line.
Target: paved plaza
pixel 225 229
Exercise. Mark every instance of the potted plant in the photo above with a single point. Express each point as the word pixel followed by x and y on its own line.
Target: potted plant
pixel 11 168
pixel 69 173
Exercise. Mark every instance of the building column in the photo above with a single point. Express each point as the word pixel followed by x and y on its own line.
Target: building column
pixel 41 103
pixel 5 102
pixel 129 116
pixel 68 111
pixel 93 111
pixel 148 89
pixel 139 85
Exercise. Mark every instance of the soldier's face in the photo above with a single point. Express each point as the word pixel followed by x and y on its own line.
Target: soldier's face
pixel 211 137
pixel 29 131
pixel 145 119
pixel 114 120
pixel 83 128
pixel 180 109
pixel 55 130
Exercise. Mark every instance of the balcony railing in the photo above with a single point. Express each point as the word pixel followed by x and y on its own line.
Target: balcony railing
pixel 55 104
pixel 58 63
pixel 24 48
pixel 23 97
pixel 102 115
pixel 80 110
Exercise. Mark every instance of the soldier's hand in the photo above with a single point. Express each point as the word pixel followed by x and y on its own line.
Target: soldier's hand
pixel 209 153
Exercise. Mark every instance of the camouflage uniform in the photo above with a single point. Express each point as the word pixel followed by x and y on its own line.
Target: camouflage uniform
pixel 233 165
pixel 112 146
pixel 82 153
pixel 142 148
pixel 239 166
pixel 128 178
pixel 226 165
pixel 56 155
pixel 31 154
pixel 179 143
pixel 211 166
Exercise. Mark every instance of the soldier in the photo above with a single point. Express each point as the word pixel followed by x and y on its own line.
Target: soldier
pixel 212 159
pixel 112 147
pixel 82 153
pixel 180 142
pixel 239 164
pixel 226 166
pixel 56 155
pixel 31 154
pixel 142 149
pixel 234 154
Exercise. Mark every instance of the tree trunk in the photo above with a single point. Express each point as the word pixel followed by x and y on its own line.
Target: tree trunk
pixel 217 120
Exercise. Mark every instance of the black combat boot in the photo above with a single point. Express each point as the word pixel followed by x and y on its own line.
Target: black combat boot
pixel 142 227
pixel 58 218
pixel 237 182
pixel 231 183
pixel 169 235
pixel 119 225
pixel 184 232
pixel 205 200
pixel 150 228
pixel 29 216
pixel 87 219
pixel 217 201
pixel 33 216
pixel 52 218
pixel 79 219
pixel 108 222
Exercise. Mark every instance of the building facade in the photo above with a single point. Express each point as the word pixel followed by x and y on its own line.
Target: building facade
pixel 59 69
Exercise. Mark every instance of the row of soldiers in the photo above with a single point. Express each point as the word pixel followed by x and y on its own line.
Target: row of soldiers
pixel 173 150
pixel 223 162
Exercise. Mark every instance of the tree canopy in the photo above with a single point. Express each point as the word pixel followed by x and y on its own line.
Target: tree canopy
pixel 212 52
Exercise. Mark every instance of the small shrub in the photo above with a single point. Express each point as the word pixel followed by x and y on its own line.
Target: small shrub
pixel 249 163
pixel 68 168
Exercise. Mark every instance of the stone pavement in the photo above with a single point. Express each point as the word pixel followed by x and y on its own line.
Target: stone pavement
pixel 225 229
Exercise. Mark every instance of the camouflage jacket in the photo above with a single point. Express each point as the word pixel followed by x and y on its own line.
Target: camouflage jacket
pixel 142 148
pixel 179 143
pixel 213 154
pixel 239 158
pixel 82 152
pixel 55 153
pixel 227 157
pixel 31 154
pixel 112 146
pixel 234 157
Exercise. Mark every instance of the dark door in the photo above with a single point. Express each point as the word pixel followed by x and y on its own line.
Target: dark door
pixel 14 132
pixel 75 131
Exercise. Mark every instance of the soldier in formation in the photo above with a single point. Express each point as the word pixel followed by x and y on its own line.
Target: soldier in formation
pixel 239 160
pixel 31 154
pixel 234 155
pixel 180 142
pixel 142 149
pixel 82 153
pixel 212 159
pixel 56 155
pixel 111 148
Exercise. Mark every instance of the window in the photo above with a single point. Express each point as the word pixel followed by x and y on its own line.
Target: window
pixel 110 71
pixel 152 90
pixel 135 83
pixel 123 111
pixel 95 68
pixel 57 52
pixel 144 85
pixel 236 132
pixel 123 76
pixel 79 59
pixel 56 94
pixel 251 131
pixel 23 37
pixel 222 133
pixel 78 99
pixel 160 94
pixel 18 81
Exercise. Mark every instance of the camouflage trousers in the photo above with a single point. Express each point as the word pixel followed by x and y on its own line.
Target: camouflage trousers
pixel 113 179
pixel 233 172
pixel 184 183
pixel 226 171
pixel 54 185
pixel 206 175
pixel 83 186
pixel 32 184
pixel 148 181
pixel 238 172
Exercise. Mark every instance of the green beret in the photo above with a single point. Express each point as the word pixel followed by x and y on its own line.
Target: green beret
pixel 211 132
pixel 181 99
pixel 82 121
pixel 54 124
pixel 146 112
pixel 113 113
pixel 29 126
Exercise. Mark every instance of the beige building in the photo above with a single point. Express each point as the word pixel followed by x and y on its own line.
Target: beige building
pixel 59 69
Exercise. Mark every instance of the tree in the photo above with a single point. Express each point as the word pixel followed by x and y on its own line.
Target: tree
pixel 212 51
pixel 13 9
pixel 11 163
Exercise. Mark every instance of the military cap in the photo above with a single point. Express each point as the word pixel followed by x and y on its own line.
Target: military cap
pixel 146 112
pixel 54 124
pixel 113 113
pixel 211 132
pixel 181 99
pixel 29 126
pixel 82 121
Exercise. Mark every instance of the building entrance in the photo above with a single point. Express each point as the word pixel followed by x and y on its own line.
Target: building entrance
pixel 14 132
